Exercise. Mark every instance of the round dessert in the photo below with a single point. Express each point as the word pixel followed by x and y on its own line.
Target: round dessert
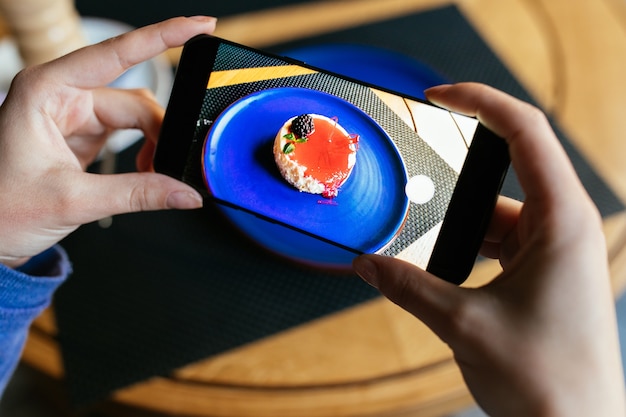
pixel 315 154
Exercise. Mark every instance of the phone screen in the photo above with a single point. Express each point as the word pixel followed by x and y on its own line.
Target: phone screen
pixel 360 167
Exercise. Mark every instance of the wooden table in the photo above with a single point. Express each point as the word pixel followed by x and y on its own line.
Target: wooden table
pixel 374 359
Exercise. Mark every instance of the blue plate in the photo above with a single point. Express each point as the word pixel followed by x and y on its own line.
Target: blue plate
pixel 372 65
pixel 239 168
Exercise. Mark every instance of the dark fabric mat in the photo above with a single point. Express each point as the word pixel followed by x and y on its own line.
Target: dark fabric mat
pixel 157 291
pixel 143 12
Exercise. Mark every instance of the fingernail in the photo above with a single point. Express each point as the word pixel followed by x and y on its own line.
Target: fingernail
pixel 436 89
pixel 439 87
pixel 366 269
pixel 184 200
pixel 203 18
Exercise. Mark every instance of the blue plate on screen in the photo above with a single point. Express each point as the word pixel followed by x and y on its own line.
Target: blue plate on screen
pixel 239 168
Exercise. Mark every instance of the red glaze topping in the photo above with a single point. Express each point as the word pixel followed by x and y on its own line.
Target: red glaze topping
pixel 326 154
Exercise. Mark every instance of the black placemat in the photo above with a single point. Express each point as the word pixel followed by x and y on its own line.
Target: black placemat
pixel 160 290
pixel 143 12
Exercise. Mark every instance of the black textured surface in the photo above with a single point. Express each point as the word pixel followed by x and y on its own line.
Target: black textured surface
pixel 143 12
pixel 160 290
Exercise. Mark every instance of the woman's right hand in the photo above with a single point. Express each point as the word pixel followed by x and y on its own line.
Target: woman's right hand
pixel 541 338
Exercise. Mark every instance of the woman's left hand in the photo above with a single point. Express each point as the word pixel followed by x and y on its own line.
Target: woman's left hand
pixel 53 124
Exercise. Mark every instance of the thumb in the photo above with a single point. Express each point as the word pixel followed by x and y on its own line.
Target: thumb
pixel 432 300
pixel 108 195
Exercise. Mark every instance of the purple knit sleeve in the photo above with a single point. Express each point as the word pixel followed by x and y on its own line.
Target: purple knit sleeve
pixel 24 293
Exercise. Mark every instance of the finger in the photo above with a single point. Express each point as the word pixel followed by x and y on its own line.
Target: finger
pixel 503 224
pixel 504 250
pixel 109 59
pixel 537 156
pixel 114 109
pixel 100 196
pixel 504 219
pixel 430 299
pixel 129 109
pixel 145 157
pixel 490 250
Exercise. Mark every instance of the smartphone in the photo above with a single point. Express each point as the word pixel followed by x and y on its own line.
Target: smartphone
pixel 345 163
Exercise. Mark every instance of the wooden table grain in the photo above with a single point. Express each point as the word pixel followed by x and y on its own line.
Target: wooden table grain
pixel 375 359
